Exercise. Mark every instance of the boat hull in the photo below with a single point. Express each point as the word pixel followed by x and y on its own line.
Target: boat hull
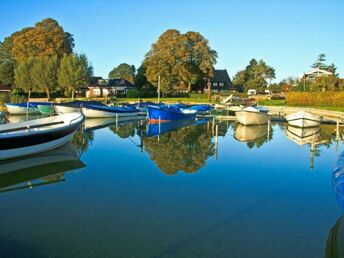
pixel 251 118
pixel 162 114
pixel 32 141
pixel 303 120
pixel 93 113
pixel 17 110
pixel 64 109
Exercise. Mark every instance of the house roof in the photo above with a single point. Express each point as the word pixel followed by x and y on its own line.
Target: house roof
pixel 100 82
pixel 318 71
pixel 221 76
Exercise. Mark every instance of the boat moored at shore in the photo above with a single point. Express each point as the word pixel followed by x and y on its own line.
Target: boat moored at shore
pixel 252 116
pixel 95 111
pixel 38 135
pixel 25 108
pixel 169 113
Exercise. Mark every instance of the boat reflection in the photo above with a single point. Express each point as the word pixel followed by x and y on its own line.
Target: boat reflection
pixel 98 123
pixel 183 149
pixel 302 136
pixel 253 135
pixel 37 170
pixel 155 129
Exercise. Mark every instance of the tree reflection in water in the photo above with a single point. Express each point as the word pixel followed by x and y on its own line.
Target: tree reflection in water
pixel 82 140
pixel 185 149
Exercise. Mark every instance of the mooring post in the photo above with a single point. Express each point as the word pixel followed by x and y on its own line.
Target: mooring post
pixel 269 124
pixel 337 130
pixel 116 121
pixel 216 141
pixel 159 125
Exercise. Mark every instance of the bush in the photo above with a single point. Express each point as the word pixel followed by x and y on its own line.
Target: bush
pixel 133 93
pixel 329 99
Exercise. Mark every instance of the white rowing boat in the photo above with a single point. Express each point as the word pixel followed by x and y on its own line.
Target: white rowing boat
pixel 252 116
pixel 303 119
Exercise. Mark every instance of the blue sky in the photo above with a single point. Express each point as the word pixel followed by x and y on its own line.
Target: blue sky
pixel 287 34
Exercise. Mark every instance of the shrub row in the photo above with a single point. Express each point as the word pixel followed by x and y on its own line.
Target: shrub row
pixel 330 99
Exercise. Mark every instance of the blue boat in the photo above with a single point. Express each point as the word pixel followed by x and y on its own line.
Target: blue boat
pixel 25 108
pixel 338 180
pixel 169 113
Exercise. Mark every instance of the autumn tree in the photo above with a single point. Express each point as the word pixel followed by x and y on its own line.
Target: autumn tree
pixel 74 72
pixel 123 70
pixel 179 58
pixel 44 73
pixel 46 38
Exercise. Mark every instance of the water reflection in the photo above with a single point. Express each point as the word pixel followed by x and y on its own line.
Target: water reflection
pixel 82 140
pixel 184 149
pixel 38 170
pixel 302 136
pixel 253 135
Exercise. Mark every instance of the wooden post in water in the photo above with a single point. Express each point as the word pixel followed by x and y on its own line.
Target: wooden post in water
pixel 116 121
pixel 337 131
pixel 269 124
pixel 213 126
pixel 312 152
pixel 216 141
pixel 159 129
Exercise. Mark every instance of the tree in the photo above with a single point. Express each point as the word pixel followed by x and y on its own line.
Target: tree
pixel 325 83
pixel 46 38
pixel 44 73
pixel 179 59
pixel 23 76
pixel 255 76
pixel 320 62
pixel 123 71
pixel 196 59
pixel 74 72
pixel 7 62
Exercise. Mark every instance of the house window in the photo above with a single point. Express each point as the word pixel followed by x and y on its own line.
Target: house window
pixel 221 84
pixel 215 84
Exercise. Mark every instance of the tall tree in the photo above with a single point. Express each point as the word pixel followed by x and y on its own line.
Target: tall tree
pixel 74 72
pixel 46 38
pixel 320 62
pixel 123 70
pixel 195 58
pixel 7 62
pixel 23 78
pixel 255 76
pixel 44 73
pixel 179 58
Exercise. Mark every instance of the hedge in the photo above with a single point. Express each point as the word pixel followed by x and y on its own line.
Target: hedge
pixel 329 99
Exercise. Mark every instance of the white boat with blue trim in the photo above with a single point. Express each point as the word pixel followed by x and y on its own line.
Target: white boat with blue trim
pixel 38 135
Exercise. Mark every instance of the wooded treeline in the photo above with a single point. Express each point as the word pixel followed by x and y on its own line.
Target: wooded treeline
pixel 41 59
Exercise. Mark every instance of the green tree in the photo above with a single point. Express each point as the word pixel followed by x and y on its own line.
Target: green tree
pixel 7 62
pixel 255 76
pixel 74 72
pixel 179 59
pixel 23 78
pixel 320 62
pixel 123 70
pixel 46 38
pixel 44 73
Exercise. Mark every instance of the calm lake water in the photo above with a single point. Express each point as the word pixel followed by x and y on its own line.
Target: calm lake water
pixel 122 191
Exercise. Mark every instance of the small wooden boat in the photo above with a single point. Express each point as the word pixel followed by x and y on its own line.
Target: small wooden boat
pixel 95 111
pixel 48 167
pixel 38 135
pixel 74 106
pixel 252 116
pixel 303 119
pixel 169 113
pixel 25 108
